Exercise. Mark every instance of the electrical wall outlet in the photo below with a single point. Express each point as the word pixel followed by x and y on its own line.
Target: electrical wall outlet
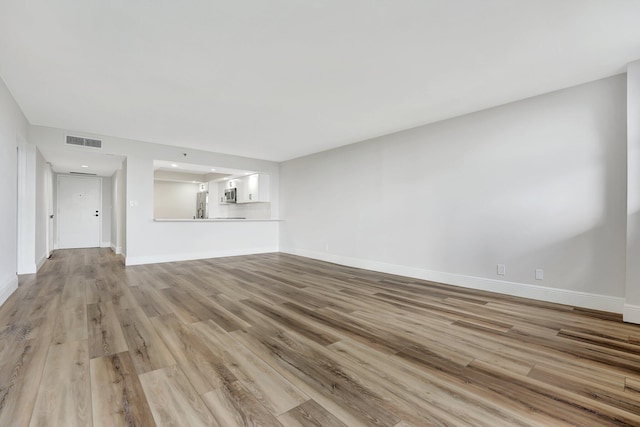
pixel 539 274
pixel 502 269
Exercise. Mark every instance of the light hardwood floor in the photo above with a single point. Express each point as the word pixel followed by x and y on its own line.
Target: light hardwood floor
pixel 276 340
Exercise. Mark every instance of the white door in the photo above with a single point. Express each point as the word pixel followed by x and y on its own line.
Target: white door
pixel 79 212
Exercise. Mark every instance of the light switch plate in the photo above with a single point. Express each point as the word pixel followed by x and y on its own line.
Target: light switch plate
pixel 502 269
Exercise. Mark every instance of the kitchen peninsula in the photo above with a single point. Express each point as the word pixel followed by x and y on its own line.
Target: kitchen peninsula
pixel 218 220
pixel 192 219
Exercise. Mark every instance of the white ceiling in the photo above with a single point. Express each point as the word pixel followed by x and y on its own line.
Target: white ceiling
pixel 279 79
pixel 182 167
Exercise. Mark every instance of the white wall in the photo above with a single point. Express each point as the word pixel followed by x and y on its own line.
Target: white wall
pixel 178 241
pixel 632 303
pixel 538 183
pixel 175 200
pixel 147 240
pixel 13 126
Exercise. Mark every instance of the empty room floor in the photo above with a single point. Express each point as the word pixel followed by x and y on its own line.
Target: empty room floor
pixel 277 339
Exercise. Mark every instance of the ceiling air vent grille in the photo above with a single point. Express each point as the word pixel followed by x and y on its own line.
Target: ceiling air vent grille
pixel 84 142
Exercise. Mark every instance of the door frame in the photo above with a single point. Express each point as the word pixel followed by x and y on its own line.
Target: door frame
pixel 49 220
pixel 99 179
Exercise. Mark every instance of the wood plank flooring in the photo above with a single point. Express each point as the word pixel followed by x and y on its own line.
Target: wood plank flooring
pixel 279 340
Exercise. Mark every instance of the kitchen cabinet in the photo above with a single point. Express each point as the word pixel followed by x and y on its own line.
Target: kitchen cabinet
pixel 253 188
pixel 233 183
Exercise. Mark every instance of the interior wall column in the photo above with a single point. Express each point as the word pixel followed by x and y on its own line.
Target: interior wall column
pixel 632 290
pixel 26 218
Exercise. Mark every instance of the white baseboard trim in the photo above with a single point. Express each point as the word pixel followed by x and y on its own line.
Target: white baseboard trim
pixel 7 288
pixel 105 244
pixel 154 259
pixel 631 313
pixel 116 249
pixel 525 290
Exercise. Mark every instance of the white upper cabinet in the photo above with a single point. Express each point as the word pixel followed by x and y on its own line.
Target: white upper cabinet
pixel 253 188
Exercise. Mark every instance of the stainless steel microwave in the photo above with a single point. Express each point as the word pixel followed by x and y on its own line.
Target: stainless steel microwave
pixel 230 195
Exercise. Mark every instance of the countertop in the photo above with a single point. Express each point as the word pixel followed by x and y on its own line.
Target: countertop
pixel 215 220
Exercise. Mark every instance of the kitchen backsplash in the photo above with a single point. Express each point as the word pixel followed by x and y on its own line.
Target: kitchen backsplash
pixel 245 210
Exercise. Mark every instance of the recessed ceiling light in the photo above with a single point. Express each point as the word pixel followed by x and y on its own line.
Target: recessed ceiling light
pixel 173 165
pixel 195 182
pixel 84 166
pixel 212 169
pixel 247 173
